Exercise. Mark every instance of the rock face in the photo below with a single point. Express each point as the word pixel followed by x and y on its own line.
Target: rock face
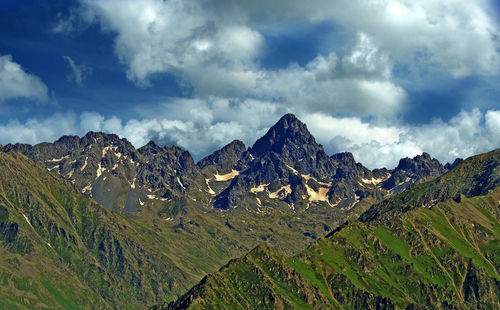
pixel 223 160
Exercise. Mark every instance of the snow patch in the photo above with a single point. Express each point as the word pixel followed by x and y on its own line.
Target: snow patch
pixel 87 188
pixel 84 164
pixel 56 160
pixel 259 188
pixel 180 183
pixel 356 200
pixel 210 190
pixel 371 181
pixel 307 177
pixel 292 169
pixel 26 218
pixel 154 197
pixel 227 176
pixel 320 195
pixel 105 150
pixel 100 170
pixel 277 194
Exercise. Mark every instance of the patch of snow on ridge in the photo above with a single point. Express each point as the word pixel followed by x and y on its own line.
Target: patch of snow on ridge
pixel 210 190
pixel 292 169
pixel 276 194
pixel 371 181
pixel 320 195
pixel 55 160
pixel 26 218
pixel 180 183
pixel 100 170
pixel 227 176
pixel 258 189
pixel 85 164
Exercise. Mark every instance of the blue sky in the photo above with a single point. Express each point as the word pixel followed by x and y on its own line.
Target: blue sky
pixel 382 79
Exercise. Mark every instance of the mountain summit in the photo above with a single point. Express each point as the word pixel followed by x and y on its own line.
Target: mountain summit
pixel 287 134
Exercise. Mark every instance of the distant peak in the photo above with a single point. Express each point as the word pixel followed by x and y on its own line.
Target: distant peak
pixel 151 143
pixel 100 134
pixel 290 121
pixel 344 157
pixel 288 130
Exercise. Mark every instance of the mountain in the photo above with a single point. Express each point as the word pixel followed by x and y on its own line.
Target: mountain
pixel 286 168
pixel 184 219
pixel 436 245
pixel 223 160
pixel 410 171
pixel 113 172
pixel 285 186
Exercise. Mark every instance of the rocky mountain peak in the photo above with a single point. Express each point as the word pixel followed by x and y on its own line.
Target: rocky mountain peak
pixel 419 163
pixel 345 158
pixel 288 132
pixel 224 159
pixel 151 148
pixel 409 170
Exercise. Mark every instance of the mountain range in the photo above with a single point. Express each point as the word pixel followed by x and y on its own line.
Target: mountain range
pixel 137 227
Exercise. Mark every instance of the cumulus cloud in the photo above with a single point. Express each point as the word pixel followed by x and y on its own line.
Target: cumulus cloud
pixel 16 83
pixel 79 73
pixel 464 135
pixel 374 145
pixel 458 36
pixel 156 36
pixel 213 48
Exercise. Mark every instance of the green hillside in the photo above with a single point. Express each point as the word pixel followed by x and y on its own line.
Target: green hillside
pixel 437 245
pixel 60 249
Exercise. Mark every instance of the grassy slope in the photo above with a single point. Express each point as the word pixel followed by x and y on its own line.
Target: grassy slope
pixel 429 247
pixel 60 249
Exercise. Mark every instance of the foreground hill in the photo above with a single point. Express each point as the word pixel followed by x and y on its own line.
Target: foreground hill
pixel 437 245
pixel 60 249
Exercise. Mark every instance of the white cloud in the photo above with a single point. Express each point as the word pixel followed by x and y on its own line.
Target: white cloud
pixel 214 47
pixel 457 36
pixel 216 51
pixel 35 131
pixel 79 73
pixel 374 145
pixel 16 83
pixel 382 146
